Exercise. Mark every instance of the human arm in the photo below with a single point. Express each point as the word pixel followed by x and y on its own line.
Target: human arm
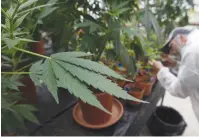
pixel 187 77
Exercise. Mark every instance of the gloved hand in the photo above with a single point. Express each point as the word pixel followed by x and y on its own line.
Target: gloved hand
pixel 156 64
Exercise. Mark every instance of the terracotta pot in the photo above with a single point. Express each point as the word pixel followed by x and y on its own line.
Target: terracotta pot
pixel 94 115
pixel 39 47
pixel 148 87
pixel 142 78
pixel 28 91
pixel 144 81
pixel 136 91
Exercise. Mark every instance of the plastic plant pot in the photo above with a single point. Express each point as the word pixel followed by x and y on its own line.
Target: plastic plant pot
pixel 94 115
pixel 134 90
pixel 166 121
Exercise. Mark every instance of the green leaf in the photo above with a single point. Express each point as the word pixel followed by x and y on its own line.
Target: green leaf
pixel 53 1
pixel 26 113
pixel 28 107
pixel 92 66
pixel 27 4
pixel 37 7
pixel 7 35
pixel 130 31
pixel 75 87
pixel 50 79
pixel 97 81
pixel 88 42
pixel 6 58
pixel 3 11
pixel 82 24
pixel 36 72
pixel 46 12
pixel 71 54
pixel 10 121
pixel 113 24
pixel 124 57
pixel 7 24
pixel 39 21
pixel 26 40
pixel 93 26
pixel 11 42
pixel 155 26
pixel 20 119
pixel 12 82
pixel 10 11
pixel 3 26
pixel 125 3
pixel 121 11
pixel 20 20
pixel 6 105
pixel 146 20
pixel 20 33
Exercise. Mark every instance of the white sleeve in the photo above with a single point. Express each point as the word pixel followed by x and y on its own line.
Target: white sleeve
pixel 188 77
pixel 171 83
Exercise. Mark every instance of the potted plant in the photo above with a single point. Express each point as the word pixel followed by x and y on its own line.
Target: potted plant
pixel 120 69
pixel 102 35
pixel 18 92
pixel 136 90
pixel 143 78
pixel 14 34
pixel 146 82
pixel 68 70
pixel 94 115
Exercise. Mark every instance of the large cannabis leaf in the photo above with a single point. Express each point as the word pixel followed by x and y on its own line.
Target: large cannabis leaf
pixel 69 71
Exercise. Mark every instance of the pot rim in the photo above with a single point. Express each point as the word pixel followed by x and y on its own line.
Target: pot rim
pixel 165 123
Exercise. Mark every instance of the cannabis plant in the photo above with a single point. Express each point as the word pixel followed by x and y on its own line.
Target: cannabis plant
pixel 14 114
pixel 14 34
pixel 106 29
pixel 68 70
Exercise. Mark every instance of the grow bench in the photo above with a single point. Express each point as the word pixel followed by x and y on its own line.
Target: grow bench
pixel 57 119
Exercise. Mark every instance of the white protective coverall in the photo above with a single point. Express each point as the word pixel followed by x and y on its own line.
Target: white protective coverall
pixel 186 84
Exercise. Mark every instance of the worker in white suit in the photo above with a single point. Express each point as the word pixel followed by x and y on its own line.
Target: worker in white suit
pixel 184 41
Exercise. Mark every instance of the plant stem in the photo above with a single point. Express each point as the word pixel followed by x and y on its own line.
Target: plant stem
pixel 3 47
pixel 24 67
pixel 32 53
pixel 15 73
